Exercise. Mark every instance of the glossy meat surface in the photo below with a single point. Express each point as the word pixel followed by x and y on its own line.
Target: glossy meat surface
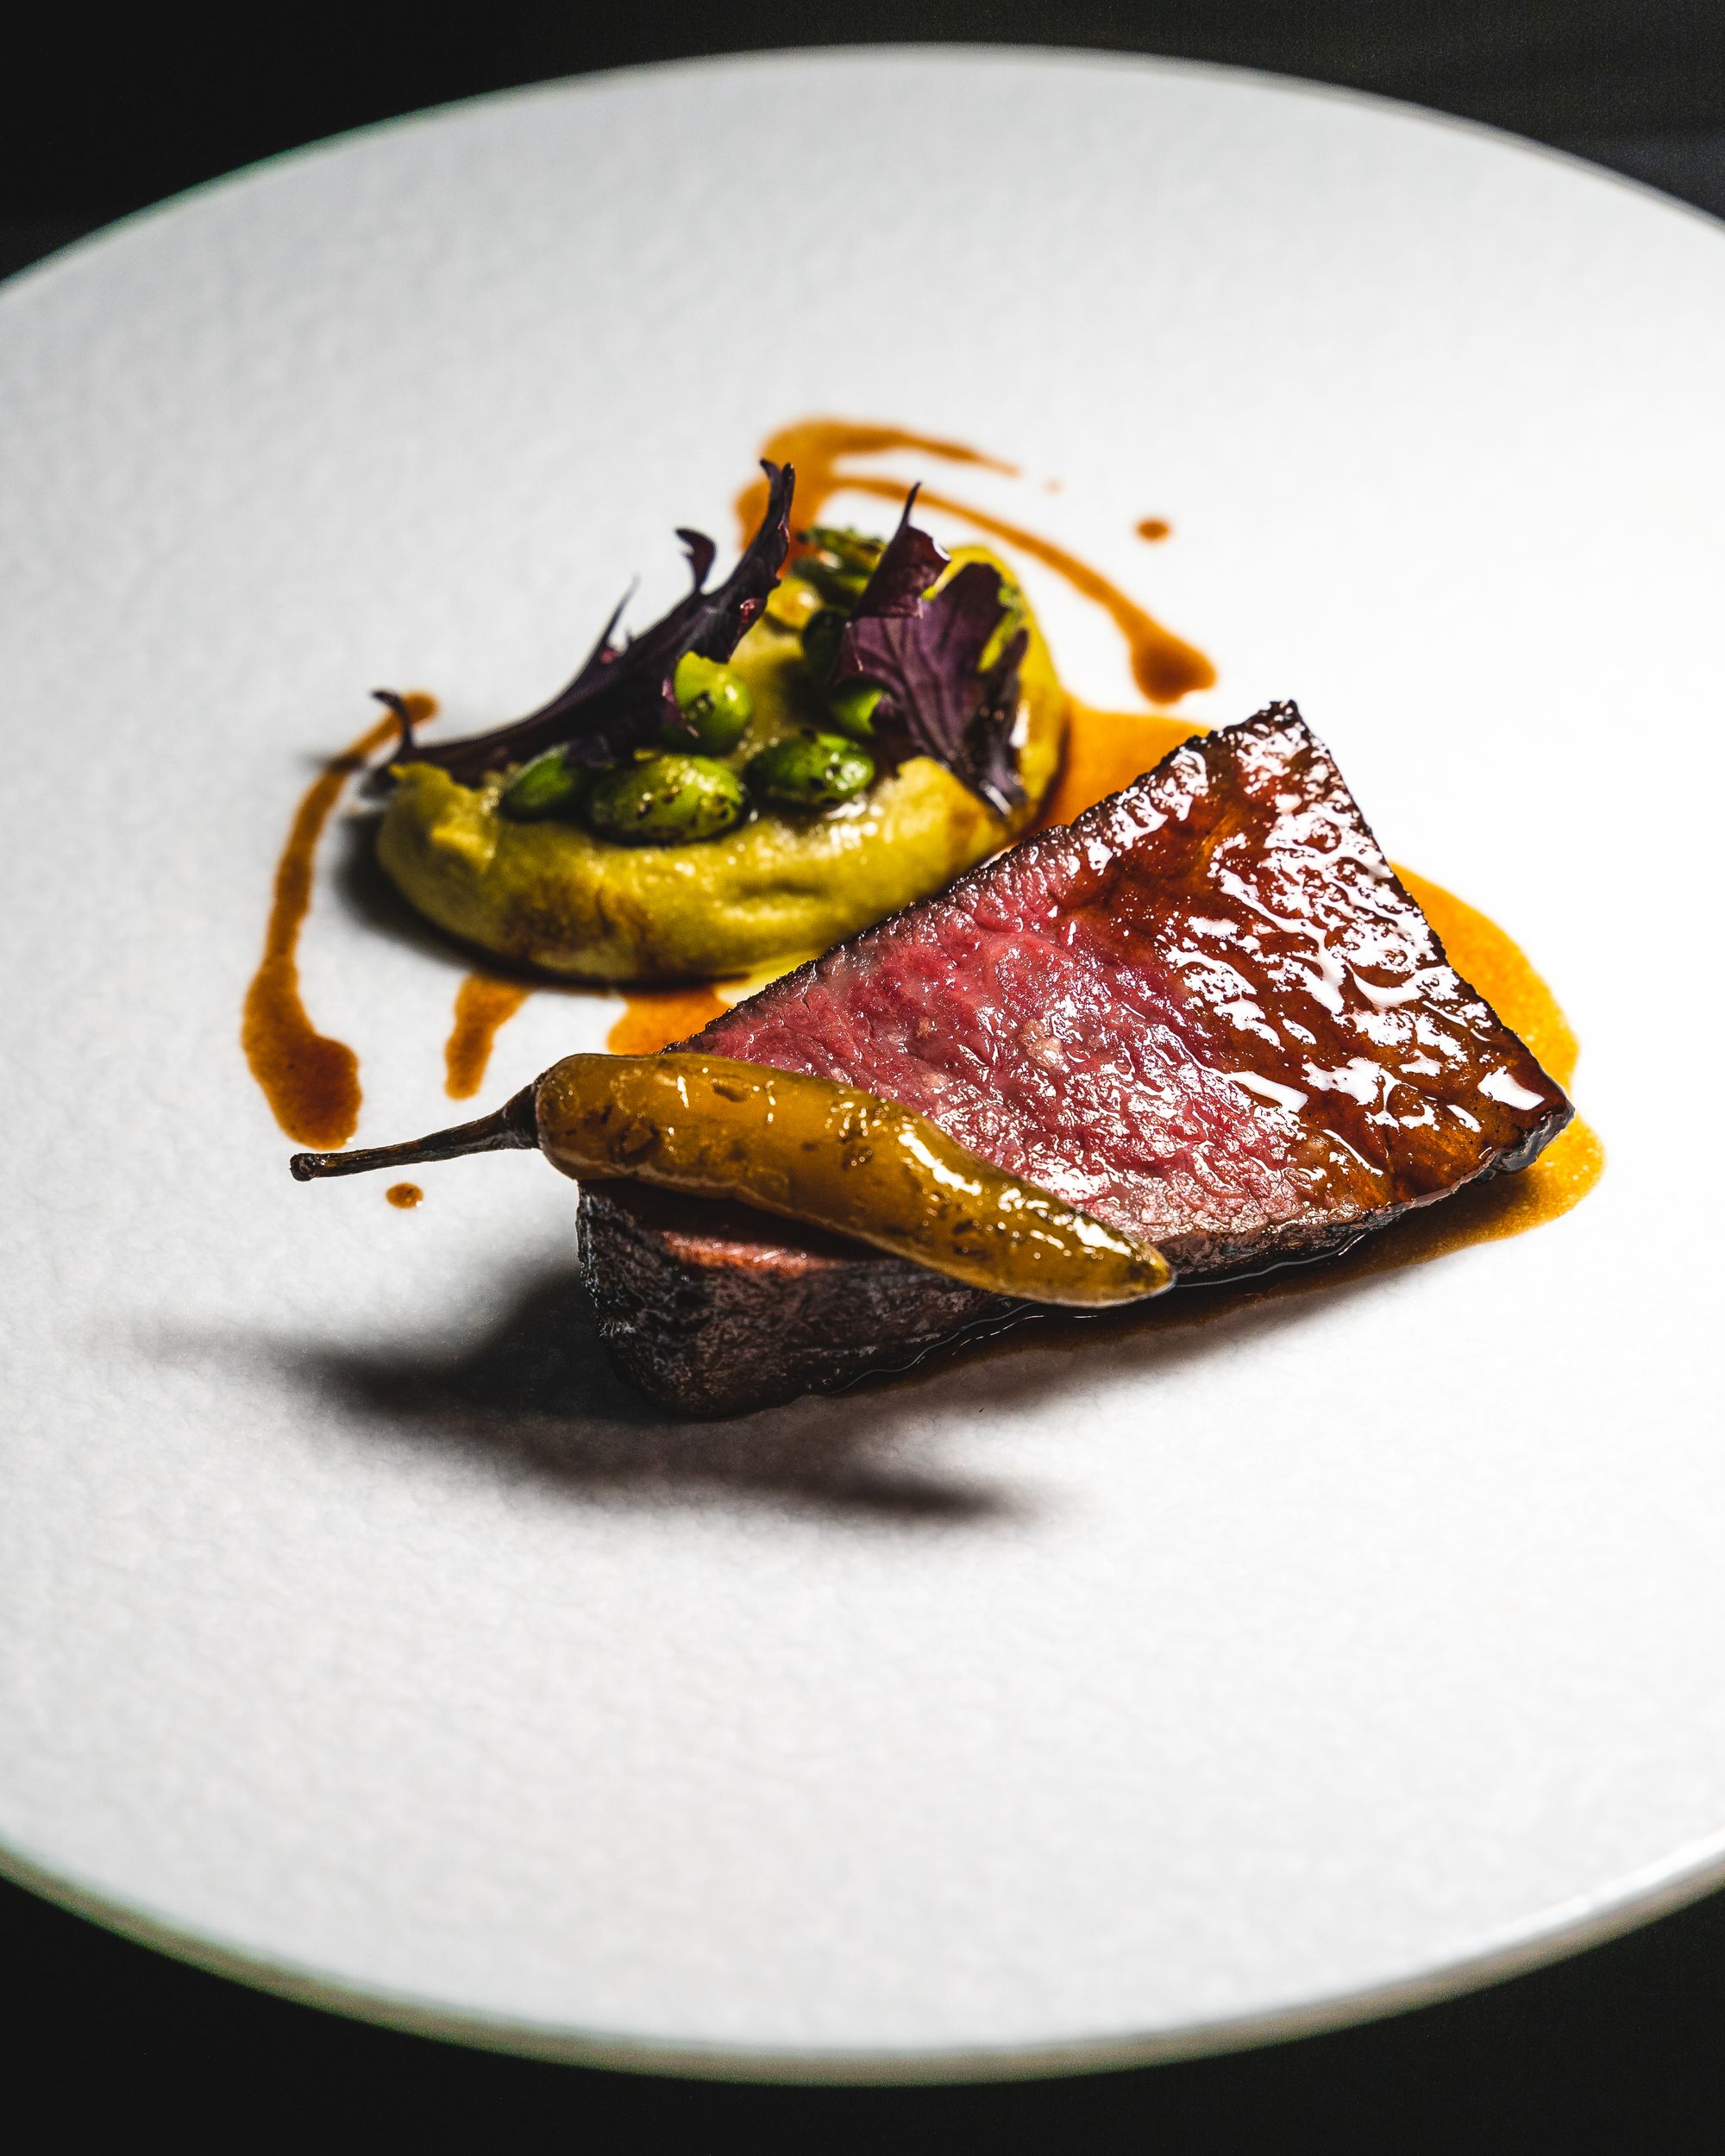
pixel 1207 1013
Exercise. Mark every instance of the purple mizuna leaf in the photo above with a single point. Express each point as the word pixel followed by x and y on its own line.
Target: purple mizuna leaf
pixel 925 656
pixel 622 699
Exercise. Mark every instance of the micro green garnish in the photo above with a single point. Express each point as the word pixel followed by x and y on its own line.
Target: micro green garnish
pixel 623 698
pixel 913 670
pixel 945 663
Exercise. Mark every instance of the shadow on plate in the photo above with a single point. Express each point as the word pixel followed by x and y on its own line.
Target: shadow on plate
pixel 369 896
pixel 536 1394
pixel 372 899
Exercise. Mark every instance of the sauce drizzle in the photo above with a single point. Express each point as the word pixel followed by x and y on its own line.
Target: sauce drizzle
pixel 310 1081
pixel 484 1002
pixel 821 450
pixel 1164 665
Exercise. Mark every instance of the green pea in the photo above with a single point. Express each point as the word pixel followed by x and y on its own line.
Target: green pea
pixel 820 641
pixel 847 547
pixel 667 800
pixel 811 771
pixel 550 786
pixel 715 702
pixel 851 709
pixel 840 562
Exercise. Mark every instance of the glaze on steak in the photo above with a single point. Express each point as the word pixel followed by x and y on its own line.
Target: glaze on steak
pixel 1207 1011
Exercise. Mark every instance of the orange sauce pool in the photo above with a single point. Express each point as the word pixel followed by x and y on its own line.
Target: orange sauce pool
pixel 311 1082
pixel 1574 1161
pixel 1487 1211
pixel 654 1018
pixel 404 1196
pixel 1106 750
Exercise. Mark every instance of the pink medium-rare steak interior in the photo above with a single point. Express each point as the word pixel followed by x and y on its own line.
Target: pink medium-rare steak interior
pixel 1206 1011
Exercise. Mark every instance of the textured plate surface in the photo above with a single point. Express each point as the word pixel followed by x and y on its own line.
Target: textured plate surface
pixel 1048 1706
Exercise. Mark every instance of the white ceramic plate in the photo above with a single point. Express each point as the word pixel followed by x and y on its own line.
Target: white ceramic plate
pixel 1052 1707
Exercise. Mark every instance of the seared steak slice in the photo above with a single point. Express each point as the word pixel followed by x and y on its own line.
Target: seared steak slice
pixel 1208 1012
pixel 713 1309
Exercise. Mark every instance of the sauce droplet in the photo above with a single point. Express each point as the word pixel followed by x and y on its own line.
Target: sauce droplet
pixel 310 1081
pixel 405 1195
pixel 1164 665
pixel 1153 528
pixel 484 1003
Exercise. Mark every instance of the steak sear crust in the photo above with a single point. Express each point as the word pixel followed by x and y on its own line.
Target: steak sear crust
pixel 1207 1011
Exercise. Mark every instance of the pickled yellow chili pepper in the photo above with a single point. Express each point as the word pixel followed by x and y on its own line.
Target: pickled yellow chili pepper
pixel 830 1155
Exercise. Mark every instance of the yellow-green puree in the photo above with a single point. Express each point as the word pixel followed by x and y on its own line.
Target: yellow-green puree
pixel 545 891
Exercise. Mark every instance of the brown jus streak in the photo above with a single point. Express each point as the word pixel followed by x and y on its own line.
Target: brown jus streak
pixel 310 1081
pixel 484 1002
pixel 818 448
pixel 651 1018
pixel 1164 665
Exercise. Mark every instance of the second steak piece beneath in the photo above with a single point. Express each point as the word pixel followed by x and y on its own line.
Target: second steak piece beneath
pixel 1208 1012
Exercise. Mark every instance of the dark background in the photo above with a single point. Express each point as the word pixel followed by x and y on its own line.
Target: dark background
pixel 109 112
pixel 1622 2047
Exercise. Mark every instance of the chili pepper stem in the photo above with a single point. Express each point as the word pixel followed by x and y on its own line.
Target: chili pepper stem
pixel 514 1125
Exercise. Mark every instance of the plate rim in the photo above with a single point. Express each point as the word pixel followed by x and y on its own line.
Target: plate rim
pixel 1657 1889
pixel 1570 1927
pixel 1099 59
